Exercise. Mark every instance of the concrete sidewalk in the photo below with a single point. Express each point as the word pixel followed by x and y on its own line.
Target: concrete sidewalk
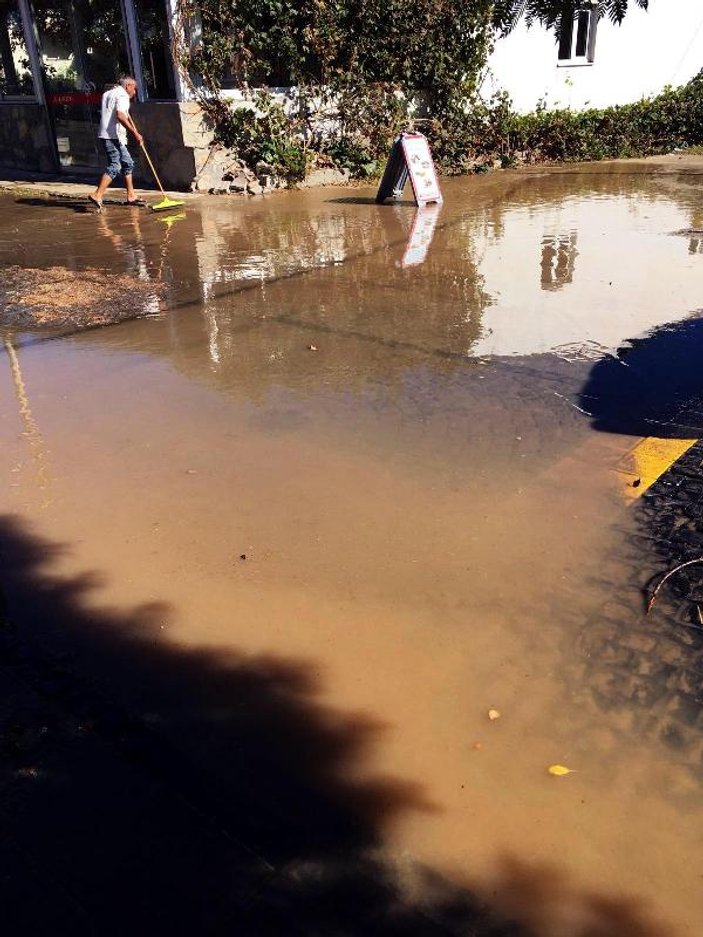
pixel 73 187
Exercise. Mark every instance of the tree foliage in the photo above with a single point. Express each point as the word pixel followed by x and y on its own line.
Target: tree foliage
pixel 549 13
pixel 436 45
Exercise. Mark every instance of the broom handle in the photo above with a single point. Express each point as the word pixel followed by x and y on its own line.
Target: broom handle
pixel 151 165
pixel 158 181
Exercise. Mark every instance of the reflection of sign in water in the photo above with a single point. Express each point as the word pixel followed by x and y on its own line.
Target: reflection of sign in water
pixel 420 236
pixel 410 157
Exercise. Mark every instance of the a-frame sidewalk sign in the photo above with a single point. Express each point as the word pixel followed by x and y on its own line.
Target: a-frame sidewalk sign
pixel 410 158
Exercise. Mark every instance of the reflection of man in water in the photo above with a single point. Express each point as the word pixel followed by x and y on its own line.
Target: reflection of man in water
pixel 114 124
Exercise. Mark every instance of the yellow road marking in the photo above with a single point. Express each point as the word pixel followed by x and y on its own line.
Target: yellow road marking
pixel 647 461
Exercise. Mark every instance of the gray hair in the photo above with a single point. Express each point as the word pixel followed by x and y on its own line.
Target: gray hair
pixel 127 80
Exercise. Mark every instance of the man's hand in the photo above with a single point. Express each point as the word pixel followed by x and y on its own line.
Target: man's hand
pixel 126 121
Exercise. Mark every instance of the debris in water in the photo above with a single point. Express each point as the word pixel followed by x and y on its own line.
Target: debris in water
pixel 60 296
pixel 27 773
pixel 559 770
pixel 493 714
pixel 571 403
pixel 312 347
pixel 653 597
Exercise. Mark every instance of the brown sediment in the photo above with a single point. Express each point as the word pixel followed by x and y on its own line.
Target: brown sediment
pixel 60 296
pixel 423 503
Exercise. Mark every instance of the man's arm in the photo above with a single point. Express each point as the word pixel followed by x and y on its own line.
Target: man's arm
pixel 127 122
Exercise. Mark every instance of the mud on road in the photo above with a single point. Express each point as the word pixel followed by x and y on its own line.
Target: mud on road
pixel 278 551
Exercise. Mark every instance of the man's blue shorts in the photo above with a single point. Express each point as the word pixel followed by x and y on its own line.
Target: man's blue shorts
pixel 118 159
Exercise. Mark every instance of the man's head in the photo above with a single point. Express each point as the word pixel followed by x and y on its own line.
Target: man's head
pixel 129 84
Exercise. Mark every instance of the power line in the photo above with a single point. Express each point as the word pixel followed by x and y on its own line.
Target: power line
pixel 687 50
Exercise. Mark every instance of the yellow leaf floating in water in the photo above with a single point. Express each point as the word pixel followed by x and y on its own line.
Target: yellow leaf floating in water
pixel 559 770
pixel 493 714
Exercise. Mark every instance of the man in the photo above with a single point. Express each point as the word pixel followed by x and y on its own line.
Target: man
pixel 114 124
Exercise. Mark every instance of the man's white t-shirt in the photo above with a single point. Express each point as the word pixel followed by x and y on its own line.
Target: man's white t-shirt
pixel 114 100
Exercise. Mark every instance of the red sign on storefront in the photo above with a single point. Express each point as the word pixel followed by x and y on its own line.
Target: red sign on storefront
pixel 75 97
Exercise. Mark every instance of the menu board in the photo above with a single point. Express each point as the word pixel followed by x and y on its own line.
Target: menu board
pixel 421 169
pixel 410 157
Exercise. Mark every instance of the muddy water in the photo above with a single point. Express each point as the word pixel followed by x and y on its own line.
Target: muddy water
pixel 356 440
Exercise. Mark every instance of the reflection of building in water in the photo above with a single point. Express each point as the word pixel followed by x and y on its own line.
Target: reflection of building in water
pixel 558 260
pixel 695 244
pixel 255 284
pixel 330 267
pixel 233 255
pixel 252 285
pixel 231 251
pixel 623 260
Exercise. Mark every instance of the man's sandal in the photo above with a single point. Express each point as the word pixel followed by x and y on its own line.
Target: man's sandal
pixel 96 203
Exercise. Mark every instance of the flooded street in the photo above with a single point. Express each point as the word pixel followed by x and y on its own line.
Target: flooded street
pixel 359 477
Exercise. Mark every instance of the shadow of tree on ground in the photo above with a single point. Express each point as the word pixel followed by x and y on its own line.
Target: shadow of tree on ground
pixel 652 387
pixel 149 789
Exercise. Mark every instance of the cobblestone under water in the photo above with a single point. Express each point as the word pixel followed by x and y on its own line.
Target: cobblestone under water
pixel 646 670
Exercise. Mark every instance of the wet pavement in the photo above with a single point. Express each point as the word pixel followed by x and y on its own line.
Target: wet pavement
pixel 272 553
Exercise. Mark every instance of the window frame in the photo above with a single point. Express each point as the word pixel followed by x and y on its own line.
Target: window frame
pixel 37 97
pixel 575 11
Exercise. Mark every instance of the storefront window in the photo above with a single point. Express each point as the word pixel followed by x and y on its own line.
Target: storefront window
pixel 84 51
pixel 155 45
pixel 82 43
pixel 15 73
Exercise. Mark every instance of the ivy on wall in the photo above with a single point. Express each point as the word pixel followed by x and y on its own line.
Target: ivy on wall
pixel 377 60
pixel 433 45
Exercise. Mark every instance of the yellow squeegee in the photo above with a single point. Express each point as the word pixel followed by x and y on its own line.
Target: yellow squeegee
pixel 165 202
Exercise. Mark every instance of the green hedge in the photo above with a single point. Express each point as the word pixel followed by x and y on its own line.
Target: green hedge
pixel 466 139
pixel 493 131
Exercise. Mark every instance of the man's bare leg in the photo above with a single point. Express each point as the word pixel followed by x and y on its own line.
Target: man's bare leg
pixel 129 186
pixel 97 196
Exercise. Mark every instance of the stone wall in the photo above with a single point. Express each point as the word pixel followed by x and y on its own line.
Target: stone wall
pixel 177 140
pixel 176 137
pixel 25 138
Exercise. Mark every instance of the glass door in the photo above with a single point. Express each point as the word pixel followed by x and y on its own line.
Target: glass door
pixel 84 52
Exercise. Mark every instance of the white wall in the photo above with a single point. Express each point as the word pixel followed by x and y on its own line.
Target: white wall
pixel 663 46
